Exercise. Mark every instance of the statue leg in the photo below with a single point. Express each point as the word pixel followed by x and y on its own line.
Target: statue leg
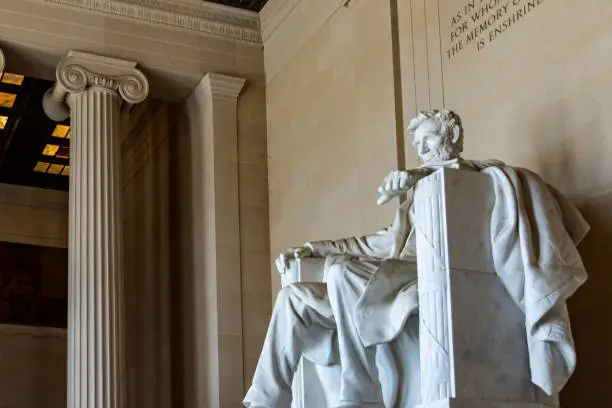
pixel 329 377
pixel 399 367
pixel 301 310
pixel 359 385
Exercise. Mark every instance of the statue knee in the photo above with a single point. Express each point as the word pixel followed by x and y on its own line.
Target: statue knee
pixel 284 295
pixel 336 274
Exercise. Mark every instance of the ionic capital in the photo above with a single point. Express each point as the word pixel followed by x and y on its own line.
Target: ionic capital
pixel 79 71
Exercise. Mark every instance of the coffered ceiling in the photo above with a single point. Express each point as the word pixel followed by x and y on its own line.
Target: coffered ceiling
pixel 254 5
pixel 34 150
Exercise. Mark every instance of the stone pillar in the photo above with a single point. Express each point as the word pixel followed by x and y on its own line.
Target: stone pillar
pixel 93 90
pixel 215 228
pixel 1 61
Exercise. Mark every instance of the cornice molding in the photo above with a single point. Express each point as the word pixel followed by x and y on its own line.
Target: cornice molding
pixel 203 17
pixel 273 14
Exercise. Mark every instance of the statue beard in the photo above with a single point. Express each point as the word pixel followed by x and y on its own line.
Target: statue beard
pixel 447 151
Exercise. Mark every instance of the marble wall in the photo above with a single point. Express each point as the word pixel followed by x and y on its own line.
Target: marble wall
pixel 161 315
pixel 148 268
pixel 33 216
pixel 168 298
pixel 33 364
pixel 331 118
pixel 34 358
pixel 533 96
pixel 176 43
pixel 33 285
pixel 528 78
pixel 254 223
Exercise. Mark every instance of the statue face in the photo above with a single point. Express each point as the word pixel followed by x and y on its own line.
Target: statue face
pixel 430 144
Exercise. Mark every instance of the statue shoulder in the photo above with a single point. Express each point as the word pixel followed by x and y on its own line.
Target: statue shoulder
pixel 483 164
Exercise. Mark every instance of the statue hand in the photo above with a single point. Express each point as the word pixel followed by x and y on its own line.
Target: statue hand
pixel 398 182
pixel 282 262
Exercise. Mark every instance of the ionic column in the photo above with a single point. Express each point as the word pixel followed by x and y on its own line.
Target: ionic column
pixel 93 90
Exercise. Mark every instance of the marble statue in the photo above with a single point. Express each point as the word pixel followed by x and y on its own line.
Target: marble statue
pixel 369 295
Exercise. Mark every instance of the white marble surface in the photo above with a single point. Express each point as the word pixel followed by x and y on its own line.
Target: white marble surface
pixel 317 385
pixel 471 249
pixel 308 391
pixel 462 303
pixel 467 403
pixel 33 363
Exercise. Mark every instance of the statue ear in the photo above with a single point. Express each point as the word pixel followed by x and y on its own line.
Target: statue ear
pixel 456 138
pixel 456 134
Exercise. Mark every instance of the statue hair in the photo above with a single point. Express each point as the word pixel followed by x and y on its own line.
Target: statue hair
pixel 449 121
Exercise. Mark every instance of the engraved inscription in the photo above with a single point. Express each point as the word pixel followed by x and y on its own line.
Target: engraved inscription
pixel 480 22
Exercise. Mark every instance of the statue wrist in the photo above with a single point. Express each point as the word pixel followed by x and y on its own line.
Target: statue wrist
pixel 315 248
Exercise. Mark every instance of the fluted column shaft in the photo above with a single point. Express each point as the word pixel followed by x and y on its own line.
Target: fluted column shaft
pixel 96 363
pixel 96 89
pixel 1 61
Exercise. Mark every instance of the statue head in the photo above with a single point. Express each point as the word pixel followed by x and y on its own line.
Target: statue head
pixel 437 135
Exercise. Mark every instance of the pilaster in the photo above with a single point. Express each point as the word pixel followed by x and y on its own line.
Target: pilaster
pixel 211 111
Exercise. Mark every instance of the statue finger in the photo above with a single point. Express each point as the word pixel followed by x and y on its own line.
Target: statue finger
pixel 383 199
pixel 396 182
pixel 385 188
pixel 384 180
pixel 280 267
pixel 389 189
pixel 404 179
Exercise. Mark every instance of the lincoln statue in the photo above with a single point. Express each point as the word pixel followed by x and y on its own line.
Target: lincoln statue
pixel 370 293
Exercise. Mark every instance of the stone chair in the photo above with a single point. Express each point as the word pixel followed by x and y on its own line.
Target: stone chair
pixel 471 337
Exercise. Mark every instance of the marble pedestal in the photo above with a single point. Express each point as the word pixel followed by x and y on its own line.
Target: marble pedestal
pixel 468 403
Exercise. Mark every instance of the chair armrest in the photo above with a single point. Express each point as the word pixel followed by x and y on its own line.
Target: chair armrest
pixel 304 270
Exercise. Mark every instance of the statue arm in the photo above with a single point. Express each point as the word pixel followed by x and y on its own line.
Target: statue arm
pixel 376 245
pixel 381 244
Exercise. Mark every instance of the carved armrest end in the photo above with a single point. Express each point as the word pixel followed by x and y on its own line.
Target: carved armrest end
pixel 304 270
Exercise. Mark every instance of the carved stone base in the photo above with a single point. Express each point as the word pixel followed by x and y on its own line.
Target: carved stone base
pixel 468 403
